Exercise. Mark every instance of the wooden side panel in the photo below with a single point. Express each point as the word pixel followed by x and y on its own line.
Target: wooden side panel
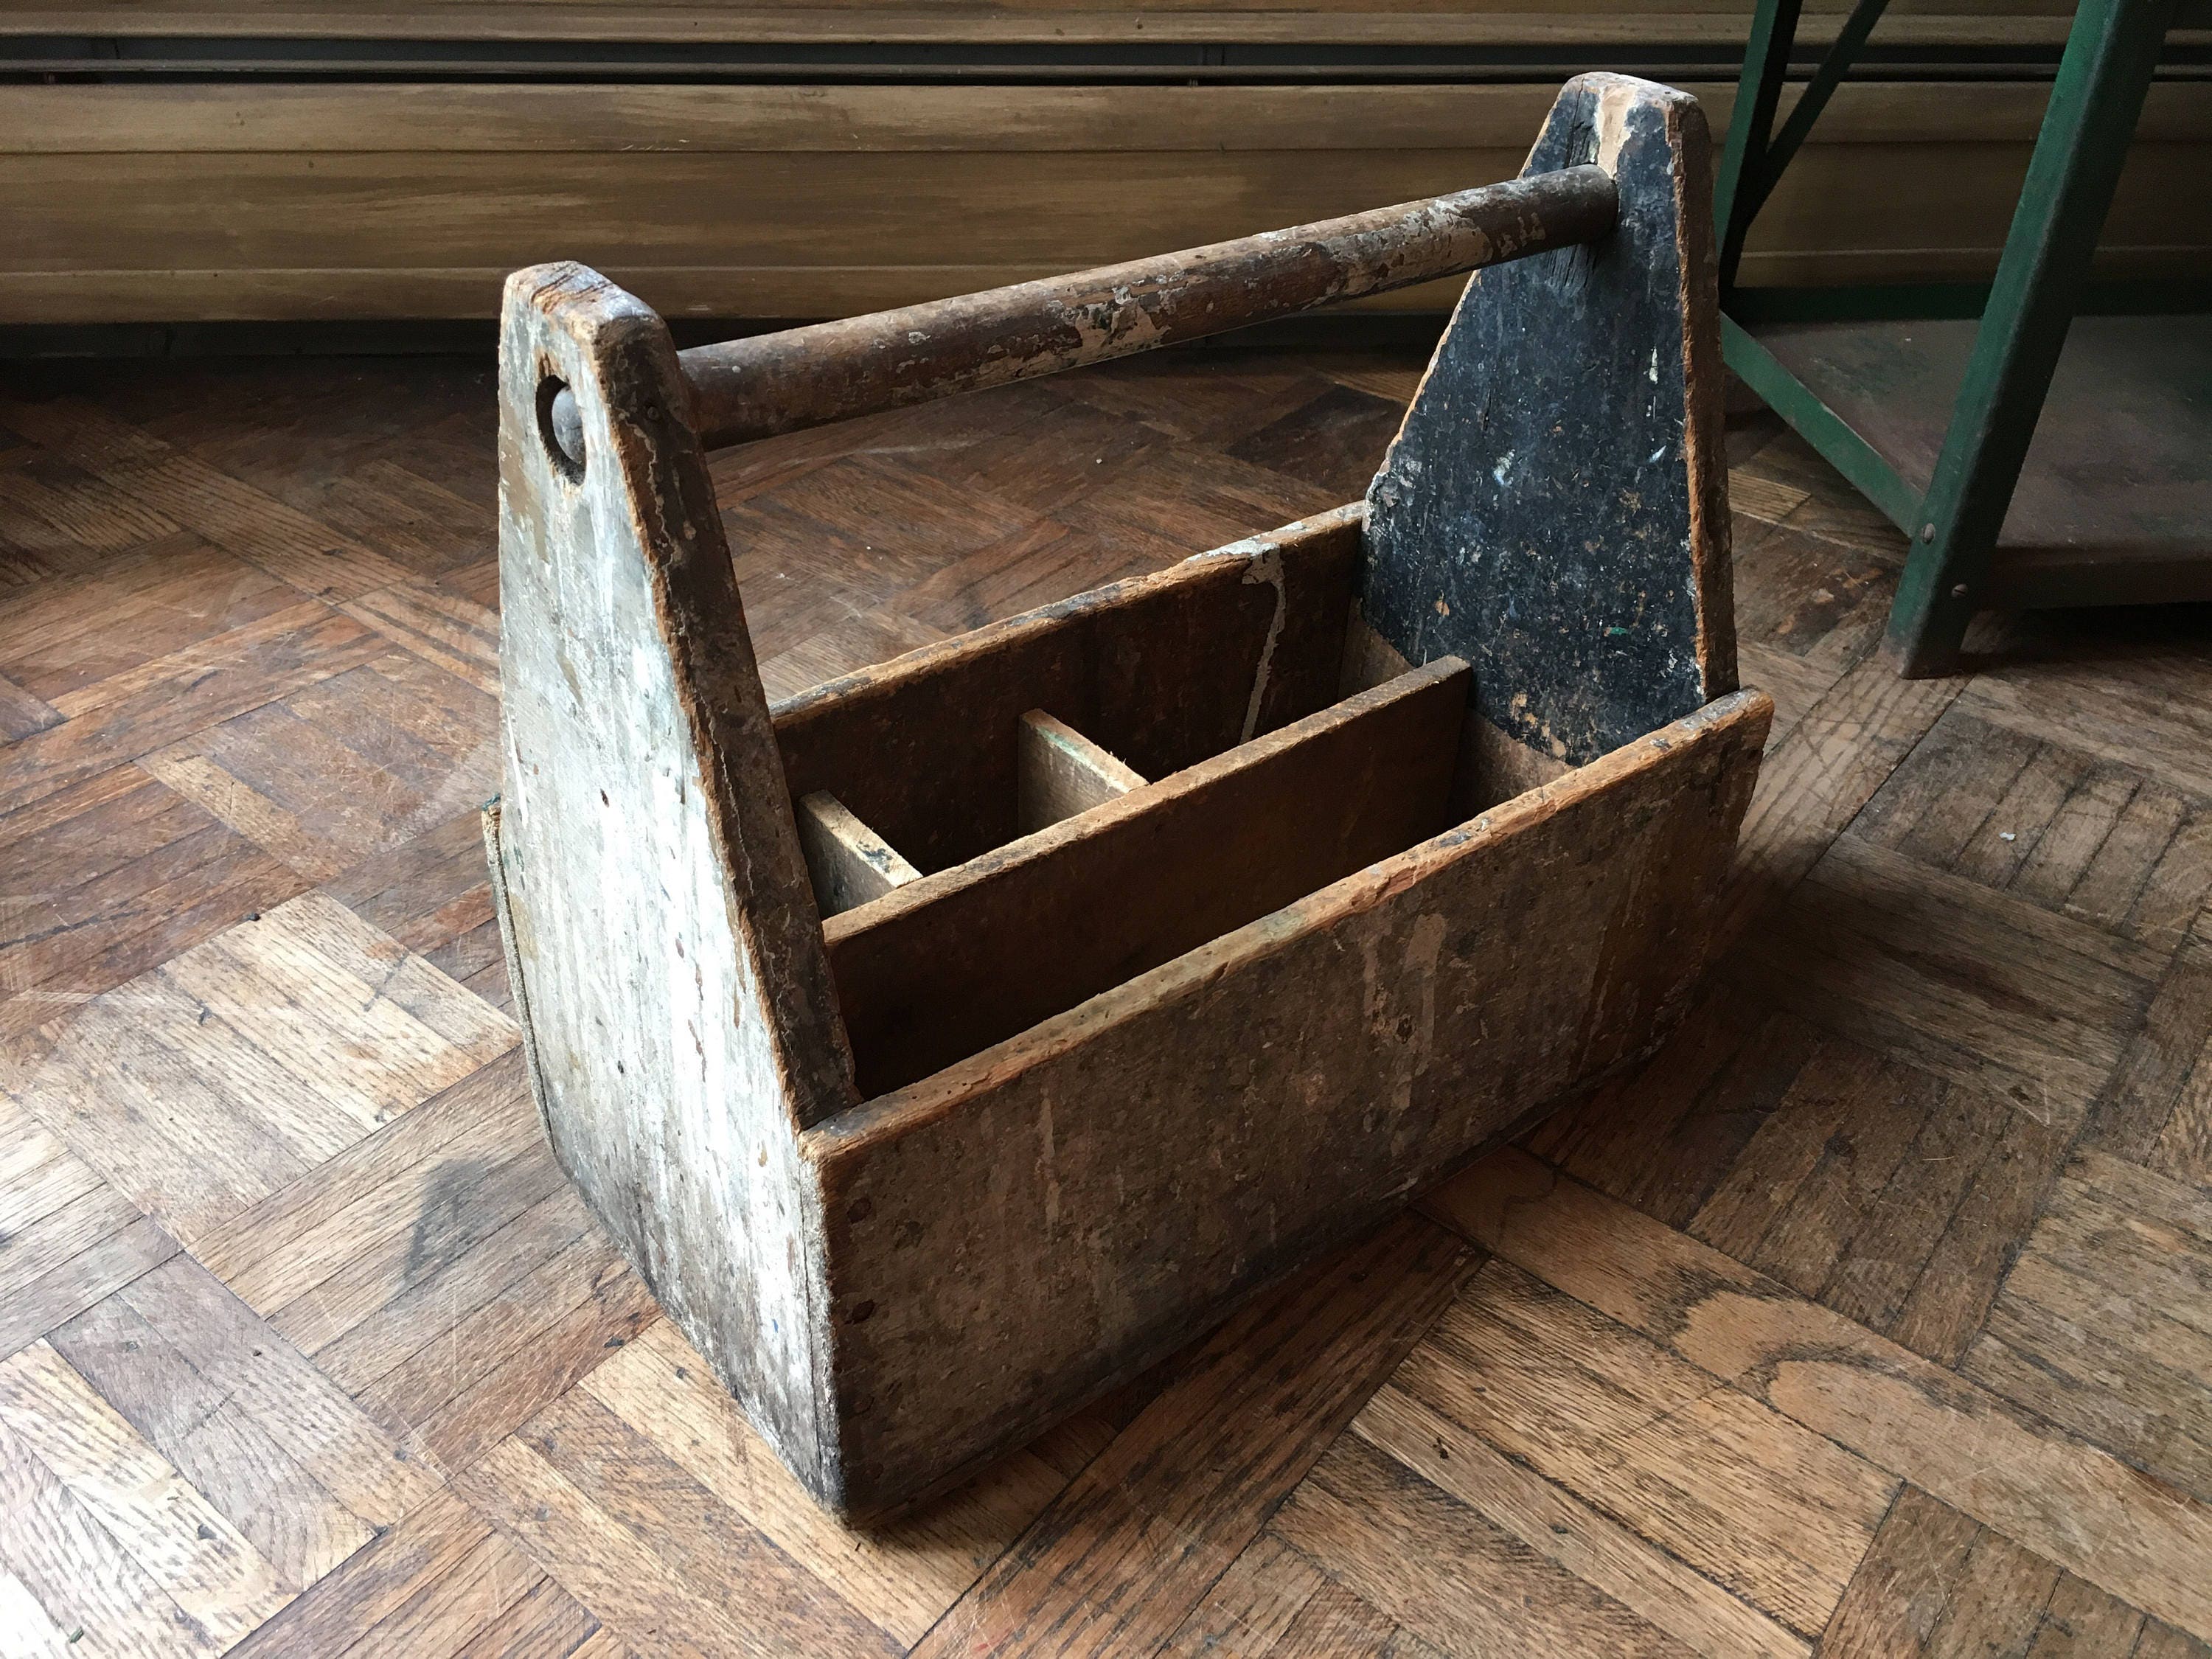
pixel 663 939
pixel 1082 1198
pixel 963 959
pixel 1555 508
pixel 1161 672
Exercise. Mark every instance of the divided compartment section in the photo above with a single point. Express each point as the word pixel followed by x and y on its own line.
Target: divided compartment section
pixel 943 967
pixel 1161 671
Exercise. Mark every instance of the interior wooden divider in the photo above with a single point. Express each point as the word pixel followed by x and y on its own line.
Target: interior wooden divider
pixel 850 863
pixel 943 967
pixel 1063 773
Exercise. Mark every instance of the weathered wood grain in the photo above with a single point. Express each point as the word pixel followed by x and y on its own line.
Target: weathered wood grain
pixel 967 956
pixel 112 877
pixel 211 1084
pixel 300 1528
pixel 370 1195
pixel 629 673
pixel 75 1570
pixel 1364 1001
pixel 548 1621
pixel 295 1407
pixel 1445 1573
pixel 1554 509
pixel 1251 1607
pixel 656 1608
pixel 1757 1504
pixel 2104 1322
pixel 146 708
pixel 1823 770
pixel 902 1577
pixel 375 1582
pixel 943 968
pixel 182 1542
pixel 1973 985
pixel 1117 1562
pixel 465 1206
pixel 1338 1624
pixel 494 1368
pixel 473 1595
pixel 35 1305
pixel 1562 1527
pixel 2072 1504
pixel 429 619
pixel 263 531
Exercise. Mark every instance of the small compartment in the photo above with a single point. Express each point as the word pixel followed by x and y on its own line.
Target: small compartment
pixel 939 967
pixel 1003 828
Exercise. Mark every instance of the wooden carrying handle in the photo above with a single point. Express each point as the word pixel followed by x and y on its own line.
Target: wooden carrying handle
pixel 754 388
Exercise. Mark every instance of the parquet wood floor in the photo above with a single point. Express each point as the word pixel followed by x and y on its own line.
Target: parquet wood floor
pixel 1873 1317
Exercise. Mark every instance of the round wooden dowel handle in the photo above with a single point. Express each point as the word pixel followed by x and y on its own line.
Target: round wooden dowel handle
pixel 771 383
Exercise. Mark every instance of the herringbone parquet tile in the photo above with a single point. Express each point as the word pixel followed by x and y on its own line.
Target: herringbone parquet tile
pixel 1873 1316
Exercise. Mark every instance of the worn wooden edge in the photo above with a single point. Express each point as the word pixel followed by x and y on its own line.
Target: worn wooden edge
pixel 518 988
pixel 1704 383
pixel 702 625
pixel 1652 138
pixel 1742 716
pixel 1704 456
pixel 639 493
pixel 1059 772
pixel 886 681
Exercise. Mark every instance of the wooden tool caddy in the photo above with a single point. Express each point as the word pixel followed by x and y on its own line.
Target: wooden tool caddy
pixel 950 1041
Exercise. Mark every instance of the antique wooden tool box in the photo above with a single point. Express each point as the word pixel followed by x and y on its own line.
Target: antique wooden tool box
pixel 950 1041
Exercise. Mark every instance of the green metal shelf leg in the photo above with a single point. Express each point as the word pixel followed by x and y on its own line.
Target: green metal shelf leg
pixel 1751 125
pixel 2095 105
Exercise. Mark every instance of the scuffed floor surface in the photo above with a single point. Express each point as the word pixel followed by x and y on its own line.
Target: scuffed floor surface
pixel 1873 1317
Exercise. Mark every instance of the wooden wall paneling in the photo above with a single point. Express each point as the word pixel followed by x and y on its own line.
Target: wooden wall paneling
pixel 320 201
pixel 1507 22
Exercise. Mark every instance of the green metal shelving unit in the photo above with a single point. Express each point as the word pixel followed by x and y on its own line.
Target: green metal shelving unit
pixel 2042 282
